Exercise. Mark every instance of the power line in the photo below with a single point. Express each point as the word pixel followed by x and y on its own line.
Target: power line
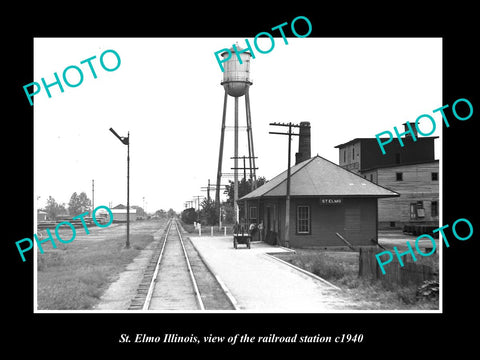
pixel 287 200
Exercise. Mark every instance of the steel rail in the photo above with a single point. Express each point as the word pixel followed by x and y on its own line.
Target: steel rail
pixel 192 276
pixel 148 298
pixel 146 305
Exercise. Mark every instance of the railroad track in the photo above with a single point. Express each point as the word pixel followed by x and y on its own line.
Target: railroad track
pixel 178 279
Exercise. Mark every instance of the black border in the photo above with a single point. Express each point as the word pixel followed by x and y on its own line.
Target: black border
pixel 410 334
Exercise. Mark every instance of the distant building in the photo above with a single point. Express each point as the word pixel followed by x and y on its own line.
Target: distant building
pixel 411 171
pixel 120 206
pixel 41 215
pixel 120 213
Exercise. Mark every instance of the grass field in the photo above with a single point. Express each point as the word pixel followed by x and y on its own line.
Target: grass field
pixel 341 269
pixel 75 275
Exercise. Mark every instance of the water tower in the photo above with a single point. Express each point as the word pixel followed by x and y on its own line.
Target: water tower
pixel 236 82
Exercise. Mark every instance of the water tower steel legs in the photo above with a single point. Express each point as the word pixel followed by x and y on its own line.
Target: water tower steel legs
pixel 251 152
pixel 235 170
pixel 220 154
pixel 249 149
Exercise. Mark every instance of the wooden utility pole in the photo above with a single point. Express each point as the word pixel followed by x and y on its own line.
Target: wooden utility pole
pixel 93 195
pixel 244 168
pixel 287 201
pixel 198 200
pixel 209 187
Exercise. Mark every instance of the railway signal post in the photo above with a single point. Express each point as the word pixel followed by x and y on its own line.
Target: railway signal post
pixel 126 141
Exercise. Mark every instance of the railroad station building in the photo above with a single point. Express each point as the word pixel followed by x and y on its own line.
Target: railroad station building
pixel 326 201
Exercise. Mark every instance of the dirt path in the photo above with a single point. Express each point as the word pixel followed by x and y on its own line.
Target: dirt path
pixel 120 293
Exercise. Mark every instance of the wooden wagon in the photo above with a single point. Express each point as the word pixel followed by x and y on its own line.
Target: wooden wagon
pixel 240 236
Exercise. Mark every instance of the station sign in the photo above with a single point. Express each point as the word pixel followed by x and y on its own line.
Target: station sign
pixel 330 201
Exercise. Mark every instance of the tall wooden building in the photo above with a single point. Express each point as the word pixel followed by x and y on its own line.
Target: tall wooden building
pixel 411 171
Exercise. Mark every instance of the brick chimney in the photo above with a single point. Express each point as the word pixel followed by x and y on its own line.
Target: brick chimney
pixel 304 146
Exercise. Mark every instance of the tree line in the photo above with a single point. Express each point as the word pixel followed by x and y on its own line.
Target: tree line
pixel 208 213
pixel 78 204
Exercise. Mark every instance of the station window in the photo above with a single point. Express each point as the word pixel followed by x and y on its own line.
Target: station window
pixel 434 176
pixel 399 176
pixel 303 219
pixel 253 214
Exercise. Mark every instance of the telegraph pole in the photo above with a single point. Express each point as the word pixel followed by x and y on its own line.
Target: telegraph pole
pixel 212 186
pixel 217 201
pixel 198 201
pixel 207 189
pixel 252 178
pixel 93 195
pixel 244 168
pixel 287 201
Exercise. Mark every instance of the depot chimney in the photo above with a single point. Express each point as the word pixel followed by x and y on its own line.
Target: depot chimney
pixel 304 147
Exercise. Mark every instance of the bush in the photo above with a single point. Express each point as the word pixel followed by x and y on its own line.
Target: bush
pixel 321 265
pixel 328 270
pixel 189 216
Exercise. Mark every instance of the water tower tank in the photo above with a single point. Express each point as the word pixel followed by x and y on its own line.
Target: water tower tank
pixel 236 76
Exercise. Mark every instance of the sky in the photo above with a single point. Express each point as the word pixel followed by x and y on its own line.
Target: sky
pixel 167 94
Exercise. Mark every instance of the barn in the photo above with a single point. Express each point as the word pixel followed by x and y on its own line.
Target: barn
pixel 326 202
pixel 120 213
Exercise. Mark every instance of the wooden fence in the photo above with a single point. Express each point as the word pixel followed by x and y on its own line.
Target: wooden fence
pixel 394 273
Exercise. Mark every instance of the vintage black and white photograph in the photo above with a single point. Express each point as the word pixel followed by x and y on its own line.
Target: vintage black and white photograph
pixel 238 175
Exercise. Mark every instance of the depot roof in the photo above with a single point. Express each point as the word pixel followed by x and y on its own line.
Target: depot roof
pixel 320 177
pixel 123 211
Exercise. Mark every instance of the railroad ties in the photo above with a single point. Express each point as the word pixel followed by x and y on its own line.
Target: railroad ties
pixel 139 300
pixel 177 279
